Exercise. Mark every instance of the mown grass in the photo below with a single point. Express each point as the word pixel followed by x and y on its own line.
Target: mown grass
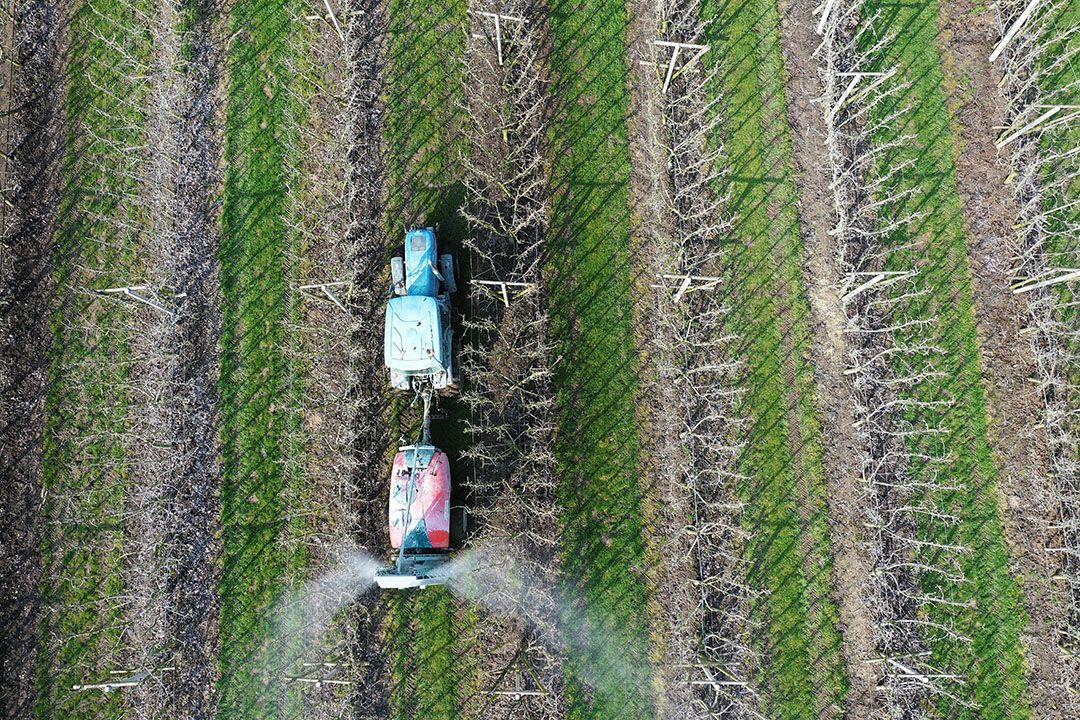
pixel 788 551
pixel 258 384
pixel 425 45
pixel 993 662
pixel 597 445
pixel 84 471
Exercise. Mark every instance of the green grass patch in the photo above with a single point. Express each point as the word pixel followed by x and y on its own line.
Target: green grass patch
pixel 789 550
pixel 258 382
pixel 84 471
pixel 994 662
pixel 597 445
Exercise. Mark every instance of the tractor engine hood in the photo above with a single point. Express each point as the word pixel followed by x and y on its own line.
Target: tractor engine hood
pixel 413 335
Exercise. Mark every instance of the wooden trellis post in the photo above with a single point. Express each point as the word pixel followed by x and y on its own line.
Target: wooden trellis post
pixel 141 294
pixel 1046 279
pixel 677 47
pixel 881 279
pixel 687 283
pixel 504 290
pixel 1014 29
pixel 498 19
pixel 325 292
pixel 1050 118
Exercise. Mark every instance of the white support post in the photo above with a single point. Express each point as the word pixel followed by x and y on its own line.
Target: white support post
pixel 1042 122
pixel 333 19
pixel 1046 279
pixel 684 284
pixel 323 292
pixel 133 679
pixel 516 694
pixel 504 290
pixel 319 674
pixel 876 279
pixel 1014 28
pixel 677 47
pixel 856 78
pixel 825 9
pixel 924 678
pixel 519 691
pixel 141 294
pixel 498 19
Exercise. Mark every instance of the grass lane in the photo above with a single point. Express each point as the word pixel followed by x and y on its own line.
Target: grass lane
pixel 993 662
pixel 256 378
pixel 597 446
pixel 785 514
pixel 425 47
pixel 86 408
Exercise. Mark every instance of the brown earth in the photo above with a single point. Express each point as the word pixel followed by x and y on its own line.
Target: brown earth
pixel 851 569
pixel 369 438
pixel 969 31
pixel 659 505
pixel 30 185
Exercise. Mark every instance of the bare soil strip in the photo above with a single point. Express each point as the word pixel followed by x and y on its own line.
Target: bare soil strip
pixel 33 93
pixel 664 509
pixel 192 547
pixel 834 392
pixel 368 436
pixel 969 32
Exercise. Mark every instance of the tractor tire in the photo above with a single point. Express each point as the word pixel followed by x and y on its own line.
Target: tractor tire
pixel 454 388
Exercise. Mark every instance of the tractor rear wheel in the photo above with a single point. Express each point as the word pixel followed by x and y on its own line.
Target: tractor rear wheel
pixel 454 387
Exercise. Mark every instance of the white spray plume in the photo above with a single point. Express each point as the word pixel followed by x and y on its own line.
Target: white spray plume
pixel 499 577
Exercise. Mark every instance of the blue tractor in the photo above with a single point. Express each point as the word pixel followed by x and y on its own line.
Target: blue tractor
pixel 422 357
pixel 419 348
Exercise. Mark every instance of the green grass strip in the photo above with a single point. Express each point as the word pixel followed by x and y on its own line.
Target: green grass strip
pixel 86 408
pixel 255 380
pixel 994 661
pixel 597 446
pixel 789 553
pixel 426 44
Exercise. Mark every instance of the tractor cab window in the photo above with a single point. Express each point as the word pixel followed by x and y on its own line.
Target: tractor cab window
pixel 418 243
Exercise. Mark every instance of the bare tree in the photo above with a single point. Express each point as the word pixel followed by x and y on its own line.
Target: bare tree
pixel 508 360
pixel 710 660
pixel 891 358
pixel 1040 142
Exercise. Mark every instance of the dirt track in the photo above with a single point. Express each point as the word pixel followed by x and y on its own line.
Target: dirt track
pixel 969 32
pixel 25 339
pixel 834 394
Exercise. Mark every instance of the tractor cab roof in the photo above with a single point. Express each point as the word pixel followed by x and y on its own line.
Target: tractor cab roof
pixel 413 332
pixel 421 258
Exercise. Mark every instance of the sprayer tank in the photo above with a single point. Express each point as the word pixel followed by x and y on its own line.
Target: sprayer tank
pixel 429 513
